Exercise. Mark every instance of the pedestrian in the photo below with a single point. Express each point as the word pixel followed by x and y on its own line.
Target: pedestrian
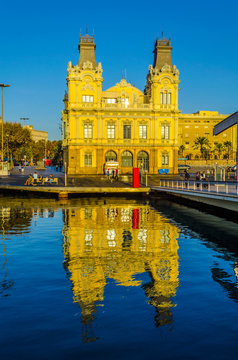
pixel 198 178
pixel 110 175
pixel 204 178
pixel 19 168
pixel 107 174
pixel 208 174
pixel 35 176
pixel 186 176
pixel 116 173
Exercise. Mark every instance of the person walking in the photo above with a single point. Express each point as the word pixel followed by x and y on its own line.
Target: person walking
pixel 198 176
pixel 187 177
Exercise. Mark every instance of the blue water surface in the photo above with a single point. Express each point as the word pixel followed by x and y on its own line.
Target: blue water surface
pixel 116 278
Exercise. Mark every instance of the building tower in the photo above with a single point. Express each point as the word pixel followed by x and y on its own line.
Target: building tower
pixel 84 83
pixel 161 92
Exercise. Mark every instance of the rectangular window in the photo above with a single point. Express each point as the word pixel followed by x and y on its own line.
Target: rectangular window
pixel 125 102
pixel 169 99
pixel 87 99
pixel 88 131
pixel 111 101
pixel 165 132
pixel 142 132
pixel 165 159
pixel 127 131
pixel 161 98
pixel 88 159
pixel 111 131
pixel 165 98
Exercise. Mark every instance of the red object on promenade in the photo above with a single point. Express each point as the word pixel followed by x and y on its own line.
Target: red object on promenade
pixel 136 178
pixel 47 162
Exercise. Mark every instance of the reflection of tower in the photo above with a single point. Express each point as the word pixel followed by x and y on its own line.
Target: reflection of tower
pixel 118 241
pixel 86 274
pixel 163 271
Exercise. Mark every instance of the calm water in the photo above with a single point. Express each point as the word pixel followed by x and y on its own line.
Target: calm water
pixel 116 279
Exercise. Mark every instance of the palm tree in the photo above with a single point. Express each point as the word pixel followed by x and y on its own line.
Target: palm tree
pixel 219 148
pixel 181 149
pixel 228 146
pixel 202 143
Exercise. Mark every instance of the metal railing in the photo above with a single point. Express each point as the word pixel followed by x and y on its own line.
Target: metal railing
pixel 214 187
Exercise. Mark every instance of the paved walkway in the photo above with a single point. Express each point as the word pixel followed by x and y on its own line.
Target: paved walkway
pixel 17 178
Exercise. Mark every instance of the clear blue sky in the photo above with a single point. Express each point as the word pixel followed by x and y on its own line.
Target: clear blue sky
pixel 38 38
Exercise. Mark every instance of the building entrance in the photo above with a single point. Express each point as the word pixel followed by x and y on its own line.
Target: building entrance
pixel 143 160
pixel 110 156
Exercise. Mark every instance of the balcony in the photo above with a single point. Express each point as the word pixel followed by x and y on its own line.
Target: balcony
pixel 125 106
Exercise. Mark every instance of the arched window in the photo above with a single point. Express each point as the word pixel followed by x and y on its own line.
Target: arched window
pixel 165 98
pixel 110 156
pixel 143 160
pixel 126 159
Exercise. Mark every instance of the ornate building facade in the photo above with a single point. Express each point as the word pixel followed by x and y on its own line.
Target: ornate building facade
pixel 122 123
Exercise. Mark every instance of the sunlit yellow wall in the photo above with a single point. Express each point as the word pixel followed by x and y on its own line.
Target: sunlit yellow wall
pixel 201 124
pixel 130 107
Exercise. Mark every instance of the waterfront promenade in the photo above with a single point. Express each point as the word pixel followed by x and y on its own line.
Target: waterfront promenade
pixel 219 194
pixel 222 195
pixel 83 185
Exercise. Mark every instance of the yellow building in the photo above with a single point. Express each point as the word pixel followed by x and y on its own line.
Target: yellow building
pixel 37 135
pixel 122 123
pixel 201 124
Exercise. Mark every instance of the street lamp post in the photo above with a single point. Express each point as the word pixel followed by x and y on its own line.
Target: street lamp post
pixel 2 86
pixel 7 137
pixel 24 119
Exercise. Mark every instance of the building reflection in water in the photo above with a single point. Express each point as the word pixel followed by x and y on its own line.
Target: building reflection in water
pixel 118 242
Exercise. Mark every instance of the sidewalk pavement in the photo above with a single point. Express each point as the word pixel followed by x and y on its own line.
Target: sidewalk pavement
pixel 19 178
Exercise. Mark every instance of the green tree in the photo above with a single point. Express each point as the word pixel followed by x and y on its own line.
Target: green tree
pixel 228 146
pixel 51 149
pixel 181 150
pixel 17 139
pixel 219 148
pixel 38 150
pixel 202 143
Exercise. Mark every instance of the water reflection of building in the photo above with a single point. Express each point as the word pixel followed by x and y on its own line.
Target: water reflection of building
pixel 118 242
